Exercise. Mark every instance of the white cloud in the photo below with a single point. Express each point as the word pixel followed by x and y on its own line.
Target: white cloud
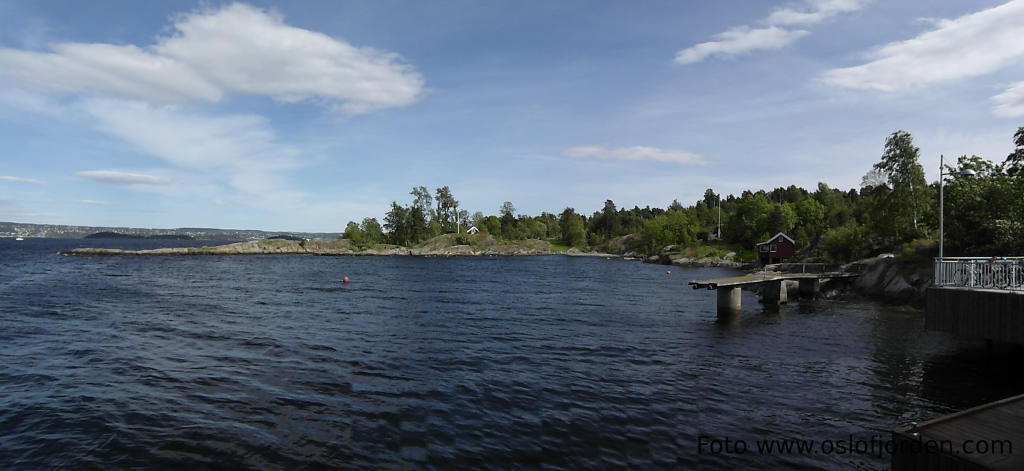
pixel 242 151
pixel 969 46
pixel 94 203
pixel 122 178
pixel 192 139
pixel 1010 104
pixel 634 154
pixel 777 33
pixel 236 49
pixel 739 41
pixel 23 181
pixel 820 10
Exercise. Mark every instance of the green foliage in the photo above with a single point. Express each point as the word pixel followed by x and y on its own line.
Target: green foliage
pixel 492 225
pixel 607 222
pixel 354 233
pixel 421 199
pixel 1015 161
pixel 750 220
pixel 467 239
pixel 984 215
pixel 397 225
pixel 447 208
pixel 573 229
pixel 845 243
pixel 558 247
pixel 917 251
pixel 507 209
pixel 810 216
pixel 708 251
pixel 372 231
pixel 674 227
pixel 910 194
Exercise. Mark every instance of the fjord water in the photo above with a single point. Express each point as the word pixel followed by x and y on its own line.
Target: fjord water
pixel 270 362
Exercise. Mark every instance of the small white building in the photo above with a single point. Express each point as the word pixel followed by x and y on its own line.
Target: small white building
pixel 472 230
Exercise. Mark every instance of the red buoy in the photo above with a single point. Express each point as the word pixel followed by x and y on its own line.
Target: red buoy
pixel 345 280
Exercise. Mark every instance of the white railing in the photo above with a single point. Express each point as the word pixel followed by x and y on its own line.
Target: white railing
pixel 980 272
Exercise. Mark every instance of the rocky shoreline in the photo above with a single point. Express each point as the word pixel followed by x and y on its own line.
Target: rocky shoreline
pixel 336 247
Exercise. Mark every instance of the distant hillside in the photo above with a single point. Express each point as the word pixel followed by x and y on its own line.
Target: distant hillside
pixel 60 231
pixel 118 235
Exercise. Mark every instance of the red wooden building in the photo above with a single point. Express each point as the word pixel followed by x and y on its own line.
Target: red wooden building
pixel 776 249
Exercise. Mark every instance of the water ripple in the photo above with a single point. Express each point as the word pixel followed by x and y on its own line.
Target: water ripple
pixel 269 362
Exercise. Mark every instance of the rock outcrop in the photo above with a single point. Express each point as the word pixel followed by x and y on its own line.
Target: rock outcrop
pixel 442 246
pixel 894 281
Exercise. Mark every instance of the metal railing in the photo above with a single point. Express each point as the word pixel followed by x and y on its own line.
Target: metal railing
pixel 980 272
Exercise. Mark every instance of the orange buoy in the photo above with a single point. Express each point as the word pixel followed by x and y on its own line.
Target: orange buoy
pixel 345 280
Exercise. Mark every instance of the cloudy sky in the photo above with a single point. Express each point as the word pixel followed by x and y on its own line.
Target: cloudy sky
pixel 304 115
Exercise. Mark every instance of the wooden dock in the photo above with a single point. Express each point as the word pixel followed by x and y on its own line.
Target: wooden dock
pixel 989 437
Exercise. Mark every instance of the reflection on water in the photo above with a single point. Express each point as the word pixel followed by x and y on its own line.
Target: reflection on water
pixel 270 362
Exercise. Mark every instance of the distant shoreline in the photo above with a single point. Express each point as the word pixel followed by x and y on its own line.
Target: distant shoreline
pixel 342 247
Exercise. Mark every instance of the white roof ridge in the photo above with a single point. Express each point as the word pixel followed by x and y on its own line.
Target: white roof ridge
pixel 770 239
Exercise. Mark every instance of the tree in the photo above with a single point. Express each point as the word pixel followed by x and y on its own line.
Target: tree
pixel 1015 161
pixel 873 178
pixel 782 219
pixel 574 232
pixel 610 220
pixel 837 208
pixel 553 229
pixel 673 227
pixel 422 199
pixel 491 225
pixel 396 222
pixel 843 244
pixel 354 233
pixel 446 208
pixel 810 216
pixel 372 231
pixel 749 220
pixel 418 227
pixel 508 221
pixel 710 198
pixel 905 176
pixel 983 212
pixel 478 219
pixel 507 209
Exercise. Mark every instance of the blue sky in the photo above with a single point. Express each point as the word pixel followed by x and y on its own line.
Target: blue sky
pixel 304 115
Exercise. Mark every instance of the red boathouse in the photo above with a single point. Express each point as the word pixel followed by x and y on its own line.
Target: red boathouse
pixel 776 249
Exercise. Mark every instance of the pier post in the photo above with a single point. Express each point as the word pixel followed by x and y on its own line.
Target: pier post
pixel 809 287
pixel 774 292
pixel 729 301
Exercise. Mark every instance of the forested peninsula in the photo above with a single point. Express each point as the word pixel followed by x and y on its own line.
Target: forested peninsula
pixel 895 210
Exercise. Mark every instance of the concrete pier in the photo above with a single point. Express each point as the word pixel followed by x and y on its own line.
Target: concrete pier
pixel 773 288
pixel 729 301
pixel 774 292
pixel 809 287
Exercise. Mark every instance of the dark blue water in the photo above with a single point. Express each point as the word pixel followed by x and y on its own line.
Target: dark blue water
pixel 270 362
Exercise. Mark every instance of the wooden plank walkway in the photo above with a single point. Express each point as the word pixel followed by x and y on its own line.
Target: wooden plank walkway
pixel 989 437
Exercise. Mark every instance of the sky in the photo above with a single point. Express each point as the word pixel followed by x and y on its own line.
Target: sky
pixel 304 115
